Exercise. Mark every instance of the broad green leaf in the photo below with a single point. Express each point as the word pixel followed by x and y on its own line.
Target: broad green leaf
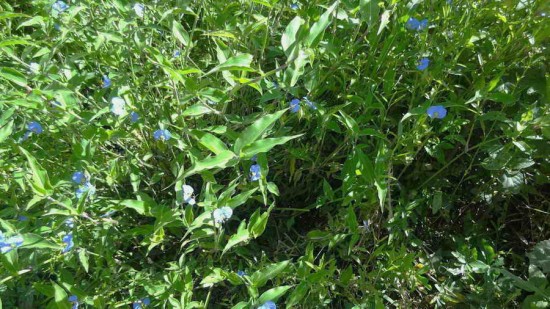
pixel 242 235
pixel 298 294
pixel 319 26
pixel 260 277
pixel 273 294
pixel 40 180
pixel 6 131
pixel 36 241
pixel 240 62
pixel 14 76
pixel 369 11
pixel 180 33
pixel 83 258
pixel 258 222
pixel 256 130
pixel 221 34
pixel 222 160
pixel 60 297
pixel 197 110
pixel 540 256
pixel 264 145
pixel 11 42
pixel 437 202
pixel 140 206
pixel 211 142
pixel 289 38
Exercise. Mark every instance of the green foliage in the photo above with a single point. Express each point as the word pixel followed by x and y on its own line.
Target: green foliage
pixel 358 197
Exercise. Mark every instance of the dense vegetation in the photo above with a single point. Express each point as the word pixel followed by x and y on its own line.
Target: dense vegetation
pixel 262 153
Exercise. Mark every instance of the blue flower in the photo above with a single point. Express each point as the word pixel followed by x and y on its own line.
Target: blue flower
pixel 22 218
pixel 34 127
pixel 294 105
pixel 78 177
pixel 177 53
pixel 162 134
pixel 139 9
pixel 134 117
pixel 423 65
pixel 294 6
pixel 87 187
pixel 188 194
pixel 73 299
pixel 69 223
pixel 255 172
pixel 118 106
pixel 415 24
pixel 437 111
pixel 222 214
pixel 57 27
pixel 60 6
pixel 241 273
pixel 268 305
pixel 310 104
pixel 10 243
pixel 138 304
pixel 106 81
pixel 69 244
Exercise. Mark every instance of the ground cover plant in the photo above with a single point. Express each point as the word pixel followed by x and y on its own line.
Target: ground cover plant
pixel 274 154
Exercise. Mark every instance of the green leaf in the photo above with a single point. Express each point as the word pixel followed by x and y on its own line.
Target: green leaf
pixel 288 40
pixel 140 206
pixel 15 42
pixel 6 131
pixel 242 235
pixel 273 294
pixel 14 76
pixel 222 160
pixel 211 142
pixel 380 174
pixel 83 258
pixel 197 110
pixel 297 295
pixel 60 297
pixel 180 33
pixel 264 145
pixel 258 222
pixel 540 256
pixel 437 202
pixel 240 62
pixel 36 241
pixel 319 26
pixel 369 11
pixel 40 181
pixel 256 130
pixel 260 277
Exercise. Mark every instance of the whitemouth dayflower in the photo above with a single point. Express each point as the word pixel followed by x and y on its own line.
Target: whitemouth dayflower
pixel 139 9
pixel 34 68
pixel 416 25
pixel 134 117
pixel 74 300
pixel 294 105
pixel 162 135
pixel 222 214
pixel 10 243
pixel 423 64
pixel 268 305
pixel 188 194
pixel 106 81
pixel 140 303
pixel 85 188
pixel 69 244
pixel 78 177
pixel 60 6
pixel 118 106
pixel 437 111
pixel 34 127
pixel 255 172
